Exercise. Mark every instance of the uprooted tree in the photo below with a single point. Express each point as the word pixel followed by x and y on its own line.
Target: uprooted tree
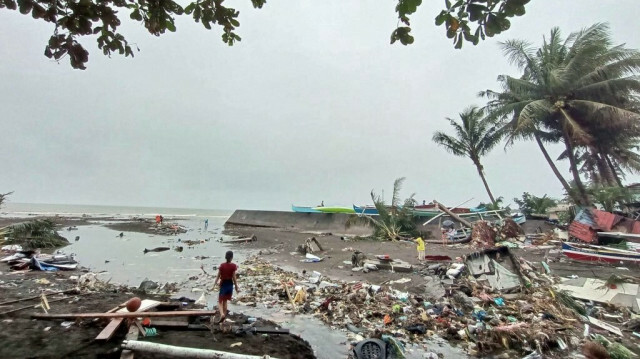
pixel 39 233
pixel 73 19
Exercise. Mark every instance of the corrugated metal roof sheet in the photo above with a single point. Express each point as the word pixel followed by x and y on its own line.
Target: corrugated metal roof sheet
pixel 583 232
pixel 605 220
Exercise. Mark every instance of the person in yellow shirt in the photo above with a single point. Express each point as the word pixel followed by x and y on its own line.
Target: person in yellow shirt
pixel 420 248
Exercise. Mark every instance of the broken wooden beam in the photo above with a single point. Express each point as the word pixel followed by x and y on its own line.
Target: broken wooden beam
pixel 177 313
pixel 453 215
pixel 184 352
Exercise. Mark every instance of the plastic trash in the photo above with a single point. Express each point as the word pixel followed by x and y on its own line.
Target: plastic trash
pixel 499 302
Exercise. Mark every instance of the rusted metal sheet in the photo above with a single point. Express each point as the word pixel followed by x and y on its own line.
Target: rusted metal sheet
pixel 605 220
pixel 583 232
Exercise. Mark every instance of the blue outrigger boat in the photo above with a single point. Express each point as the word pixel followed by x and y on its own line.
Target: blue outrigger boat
pixel 302 209
pixel 371 210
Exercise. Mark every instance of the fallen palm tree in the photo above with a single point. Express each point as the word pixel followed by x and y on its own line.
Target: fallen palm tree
pixel 39 233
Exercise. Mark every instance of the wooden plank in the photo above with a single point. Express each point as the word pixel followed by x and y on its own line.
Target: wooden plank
pixel 145 305
pixel 110 329
pixel 132 335
pixel 170 323
pixel 114 324
pixel 177 313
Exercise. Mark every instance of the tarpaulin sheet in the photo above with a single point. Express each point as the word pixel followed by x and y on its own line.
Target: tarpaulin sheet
pixel 503 279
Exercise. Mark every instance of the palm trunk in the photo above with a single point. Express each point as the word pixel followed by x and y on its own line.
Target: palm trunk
pixel 603 168
pixel 582 192
pixel 555 170
pixel 613 170
pixel 484 180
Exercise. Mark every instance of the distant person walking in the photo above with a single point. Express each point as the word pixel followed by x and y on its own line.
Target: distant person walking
pixel 227 278
pixel 420 248
pixel 206 224
pixel 321 204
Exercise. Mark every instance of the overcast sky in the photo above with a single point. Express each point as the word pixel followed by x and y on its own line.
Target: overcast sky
pixel 314 104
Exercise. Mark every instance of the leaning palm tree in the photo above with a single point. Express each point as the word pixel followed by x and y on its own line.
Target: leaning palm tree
pixel 474 137
pixel 568 86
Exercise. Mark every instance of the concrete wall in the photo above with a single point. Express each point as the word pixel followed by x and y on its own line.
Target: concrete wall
pixel 300 222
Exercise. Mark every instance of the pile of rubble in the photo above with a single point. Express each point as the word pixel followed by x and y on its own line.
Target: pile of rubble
pixel 492 302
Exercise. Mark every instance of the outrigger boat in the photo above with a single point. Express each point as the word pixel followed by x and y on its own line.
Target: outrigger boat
pixel 302 209
pixel 591 253
pixel 371 210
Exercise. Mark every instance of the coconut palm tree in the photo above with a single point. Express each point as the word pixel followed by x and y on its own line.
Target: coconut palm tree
pixel 474 137
pixel 3 197
pixel 568 88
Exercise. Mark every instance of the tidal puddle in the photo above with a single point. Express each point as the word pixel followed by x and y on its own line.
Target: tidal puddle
pixel 102 249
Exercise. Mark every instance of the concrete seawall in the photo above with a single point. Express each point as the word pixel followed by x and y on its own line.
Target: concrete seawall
pixel 300 222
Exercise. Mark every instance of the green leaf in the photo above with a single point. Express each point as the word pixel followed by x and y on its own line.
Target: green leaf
pixel 170 25
pixel 189 8
pixel 459 42
pixel 234 22
pixel 448 3
pixel 441 18
pixel 451 33
pixel 476 11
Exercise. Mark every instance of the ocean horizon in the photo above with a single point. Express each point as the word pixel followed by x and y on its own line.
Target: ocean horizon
pixel 78 210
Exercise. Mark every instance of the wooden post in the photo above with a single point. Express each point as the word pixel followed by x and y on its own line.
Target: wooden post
pixel 453 215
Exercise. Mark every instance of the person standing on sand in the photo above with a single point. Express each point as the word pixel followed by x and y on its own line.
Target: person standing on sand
pixel 227 278
pixel 420 248
pixel 206 223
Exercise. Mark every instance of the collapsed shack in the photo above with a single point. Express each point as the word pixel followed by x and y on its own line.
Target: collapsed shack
pixel 496 268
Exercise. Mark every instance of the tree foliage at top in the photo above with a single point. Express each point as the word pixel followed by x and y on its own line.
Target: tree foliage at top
pixel 490 17
pixel 73 19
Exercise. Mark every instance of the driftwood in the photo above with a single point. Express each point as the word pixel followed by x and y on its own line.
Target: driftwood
pixel 453 215
pixel 177 313
pixel 75 291
pixel 183 352
pixel 33 306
